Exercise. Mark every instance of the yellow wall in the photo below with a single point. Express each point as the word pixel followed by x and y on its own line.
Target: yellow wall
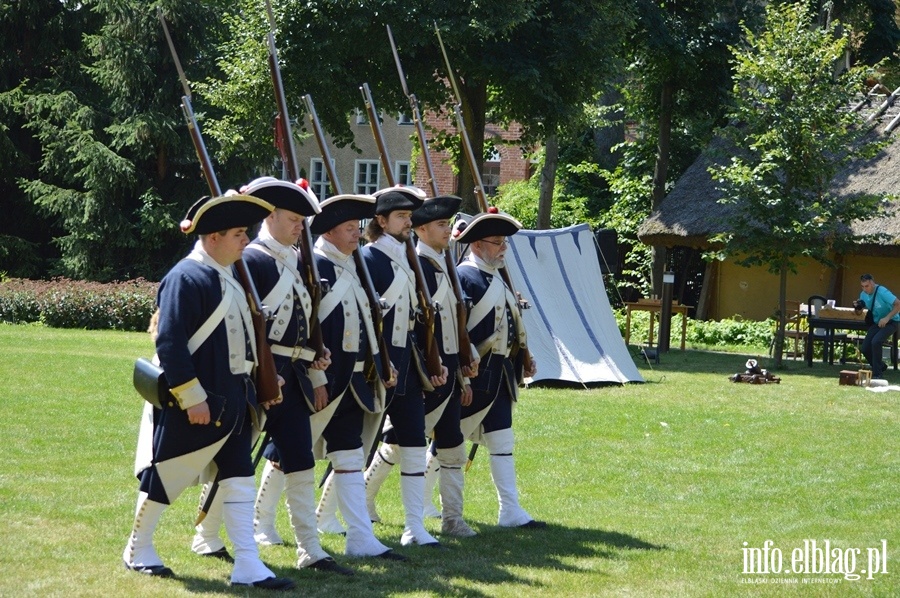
pixel 886 271
pixel 752 293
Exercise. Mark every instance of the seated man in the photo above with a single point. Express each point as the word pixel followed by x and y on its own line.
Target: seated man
pixel 885 309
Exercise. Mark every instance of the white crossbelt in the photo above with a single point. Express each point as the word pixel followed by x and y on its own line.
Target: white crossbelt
pixel 294 353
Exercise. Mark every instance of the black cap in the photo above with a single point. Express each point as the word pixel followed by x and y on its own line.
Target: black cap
pixel 436 208
pixel 232 210
pixel 492 223
pixel 284 195
pixel 398 197
pixel 338 209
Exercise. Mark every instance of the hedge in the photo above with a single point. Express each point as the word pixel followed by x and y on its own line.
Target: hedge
pixel 65 303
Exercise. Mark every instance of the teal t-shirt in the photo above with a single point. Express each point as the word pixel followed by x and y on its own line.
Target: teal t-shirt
pixel 884 303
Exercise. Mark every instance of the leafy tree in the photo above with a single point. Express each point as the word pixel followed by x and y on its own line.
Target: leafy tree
pixel 792 138
pixel 873 21
pixel 673 96
pixel 532 61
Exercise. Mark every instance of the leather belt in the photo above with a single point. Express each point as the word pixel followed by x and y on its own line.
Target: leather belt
pixel 294 353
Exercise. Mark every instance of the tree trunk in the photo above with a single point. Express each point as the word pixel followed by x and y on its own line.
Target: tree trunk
pixel 778 349
pixel 548 177
pixel 473 110
pixel 660 172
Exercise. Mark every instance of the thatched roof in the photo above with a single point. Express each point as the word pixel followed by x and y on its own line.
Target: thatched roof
pixel 690 214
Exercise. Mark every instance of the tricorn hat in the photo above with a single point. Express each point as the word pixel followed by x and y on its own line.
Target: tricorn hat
pixel 398 197
pixel 232 210
pixel 437 208
pixel 492 223
pixel 284 195
pixel 338 209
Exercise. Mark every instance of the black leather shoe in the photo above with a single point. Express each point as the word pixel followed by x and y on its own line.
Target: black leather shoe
pixel 221 553
pixel 390 555
pixel 152 571
pixel 533 524
pixel 434 545
pixel 329 565
pixel 277 584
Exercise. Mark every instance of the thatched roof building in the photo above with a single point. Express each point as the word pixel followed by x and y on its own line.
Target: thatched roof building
pixel 691 214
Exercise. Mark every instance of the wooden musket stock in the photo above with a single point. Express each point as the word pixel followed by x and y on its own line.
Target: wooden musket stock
pixel 267 387
pixel 465 345
pixel 426 305
pixel 361 269
pixel 476 177
pixel 311 271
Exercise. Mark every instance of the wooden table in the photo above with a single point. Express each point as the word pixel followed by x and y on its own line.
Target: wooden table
pixel 653 306
pixel 831 319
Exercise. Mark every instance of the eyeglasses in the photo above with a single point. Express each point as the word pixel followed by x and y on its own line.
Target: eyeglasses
pixel 497 243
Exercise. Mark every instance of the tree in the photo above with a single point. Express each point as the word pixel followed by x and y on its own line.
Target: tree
pixel 38 41
pixel 792 137
pixel 532 61
pixel 674 95
pixel 95 139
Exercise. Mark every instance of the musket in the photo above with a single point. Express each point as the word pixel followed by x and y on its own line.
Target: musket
pixel 375 302
pixel 476 177
pixel 267 387
pixel 427 308
pixel 289 156
pixel 465 346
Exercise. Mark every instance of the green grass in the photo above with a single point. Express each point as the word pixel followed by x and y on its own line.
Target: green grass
pixel 649 490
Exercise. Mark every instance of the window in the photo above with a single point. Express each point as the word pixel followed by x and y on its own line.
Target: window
pixel 403 173
pixel 361 117
pixel 490 173
pixel 367 176
pixel 318 179
pixel 403 119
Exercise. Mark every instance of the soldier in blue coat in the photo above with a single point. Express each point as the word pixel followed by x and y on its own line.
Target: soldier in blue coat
pixel 355 390
pixel 496 329
pixel 394 280
pixel 442 405
pixel 206 347
pixel 279 275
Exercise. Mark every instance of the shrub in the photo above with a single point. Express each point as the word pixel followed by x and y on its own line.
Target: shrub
pixel 723 333
pixel 65 303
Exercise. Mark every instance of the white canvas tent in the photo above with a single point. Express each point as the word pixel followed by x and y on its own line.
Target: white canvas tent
pixel 571 329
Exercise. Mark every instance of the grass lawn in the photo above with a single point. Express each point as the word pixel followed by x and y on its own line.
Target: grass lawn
pixel 656 489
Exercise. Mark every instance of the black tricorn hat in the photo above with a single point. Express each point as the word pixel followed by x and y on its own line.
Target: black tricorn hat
pixel 398 197
pixel 284 195
pixel 442 207
pixel 492 223
pixel 232 210
pixel 338 209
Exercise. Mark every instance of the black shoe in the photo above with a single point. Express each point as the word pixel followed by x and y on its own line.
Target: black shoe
pixel 277 584
pixel 329 565
pixel 221 553
pixel 152 570
pixel 435 545
pixel 390 555
pixel 533 524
